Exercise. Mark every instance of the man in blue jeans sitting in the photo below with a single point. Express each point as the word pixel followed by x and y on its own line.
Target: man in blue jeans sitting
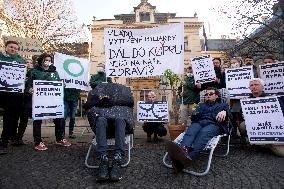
pixel 208 120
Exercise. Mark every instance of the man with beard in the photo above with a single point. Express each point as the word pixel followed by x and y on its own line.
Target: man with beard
pixel 248 61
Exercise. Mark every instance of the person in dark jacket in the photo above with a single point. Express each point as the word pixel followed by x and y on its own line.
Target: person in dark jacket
pixel 99 77
pixel 156 128
pixel 190 96
pixel 256 85
pixel 110 114
pixel 217 83
pixel 46 71
pixel 10 101
pixel 248 61
pixel 209 120
pixel 71 97
pixel 223 72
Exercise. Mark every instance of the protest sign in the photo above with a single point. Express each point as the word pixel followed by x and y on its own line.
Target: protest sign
pixel 156 111
pixel 264 120
pixel 237 81
pixel 12 76
pixel 47 100
pixel 203 69
pixel 74 71
pixel 27 46
pixel 144 52
pixel 273 77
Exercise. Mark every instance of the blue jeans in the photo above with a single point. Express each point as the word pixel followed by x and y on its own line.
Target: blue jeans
pixel 102 127
pixel 72 106
pixel 197 136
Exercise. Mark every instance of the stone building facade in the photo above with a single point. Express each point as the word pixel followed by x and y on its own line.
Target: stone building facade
pixel 145 16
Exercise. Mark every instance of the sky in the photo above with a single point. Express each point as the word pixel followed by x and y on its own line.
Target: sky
pixel 105 9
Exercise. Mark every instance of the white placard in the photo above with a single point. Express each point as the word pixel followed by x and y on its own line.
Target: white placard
pixel 203 69
pixel 264 120
pixel 156 111
pixel 144 52
pixel 273 77
pixel 47 100
pixel 12 76
pixel 237 81
pixel 73 70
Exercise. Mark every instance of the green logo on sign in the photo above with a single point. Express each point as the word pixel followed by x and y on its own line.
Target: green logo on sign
pixel 73 61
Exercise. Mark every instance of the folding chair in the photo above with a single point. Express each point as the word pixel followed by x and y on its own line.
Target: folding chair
pixel 110 143
pixel 211 144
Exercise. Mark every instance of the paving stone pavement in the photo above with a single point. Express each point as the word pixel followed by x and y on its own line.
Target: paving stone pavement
pixel 61 167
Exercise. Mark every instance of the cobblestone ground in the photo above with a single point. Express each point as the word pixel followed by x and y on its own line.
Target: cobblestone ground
pixel 59 167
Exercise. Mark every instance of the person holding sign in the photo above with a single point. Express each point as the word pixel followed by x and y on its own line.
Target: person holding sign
pixel 10 101
pixel 46 71
pixel 99 77
pixel 218 82
pixel 248 61
pixel 269 59
pixel 256 85
pixel 156 128
pixel 208 120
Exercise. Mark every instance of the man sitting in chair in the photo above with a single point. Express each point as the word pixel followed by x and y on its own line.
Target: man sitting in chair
pixel 208 120
pixel 110 114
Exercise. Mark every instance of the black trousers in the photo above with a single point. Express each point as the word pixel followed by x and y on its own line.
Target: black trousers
pixel 12 103
pixel 26 112
pixel 155 127
pixel 59 130
pixel 24 118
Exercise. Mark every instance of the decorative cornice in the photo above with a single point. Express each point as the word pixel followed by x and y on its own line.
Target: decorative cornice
pixel 187 25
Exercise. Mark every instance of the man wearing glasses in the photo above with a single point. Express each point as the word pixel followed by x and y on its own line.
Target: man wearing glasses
pixel 208 120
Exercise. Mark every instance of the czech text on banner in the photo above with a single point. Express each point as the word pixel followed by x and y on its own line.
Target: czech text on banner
pixel 48 100
pixel 144 52
pixel 264 120
pixel 273 76
pixel 237 81
pixel 203 69
pixel 74 71
pixel 12 76
pixel 27 46
pixel 156 111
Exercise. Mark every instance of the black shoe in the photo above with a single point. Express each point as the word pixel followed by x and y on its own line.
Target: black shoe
pixel 3 149
pixel 103 169
pixel 155 138
pixel 115 174
pixel 177 166
pixel 176 152
pixel 18 142
pixel 71 135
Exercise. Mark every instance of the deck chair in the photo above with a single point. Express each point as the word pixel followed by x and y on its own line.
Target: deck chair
pixel 211 144
pixel 110 143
